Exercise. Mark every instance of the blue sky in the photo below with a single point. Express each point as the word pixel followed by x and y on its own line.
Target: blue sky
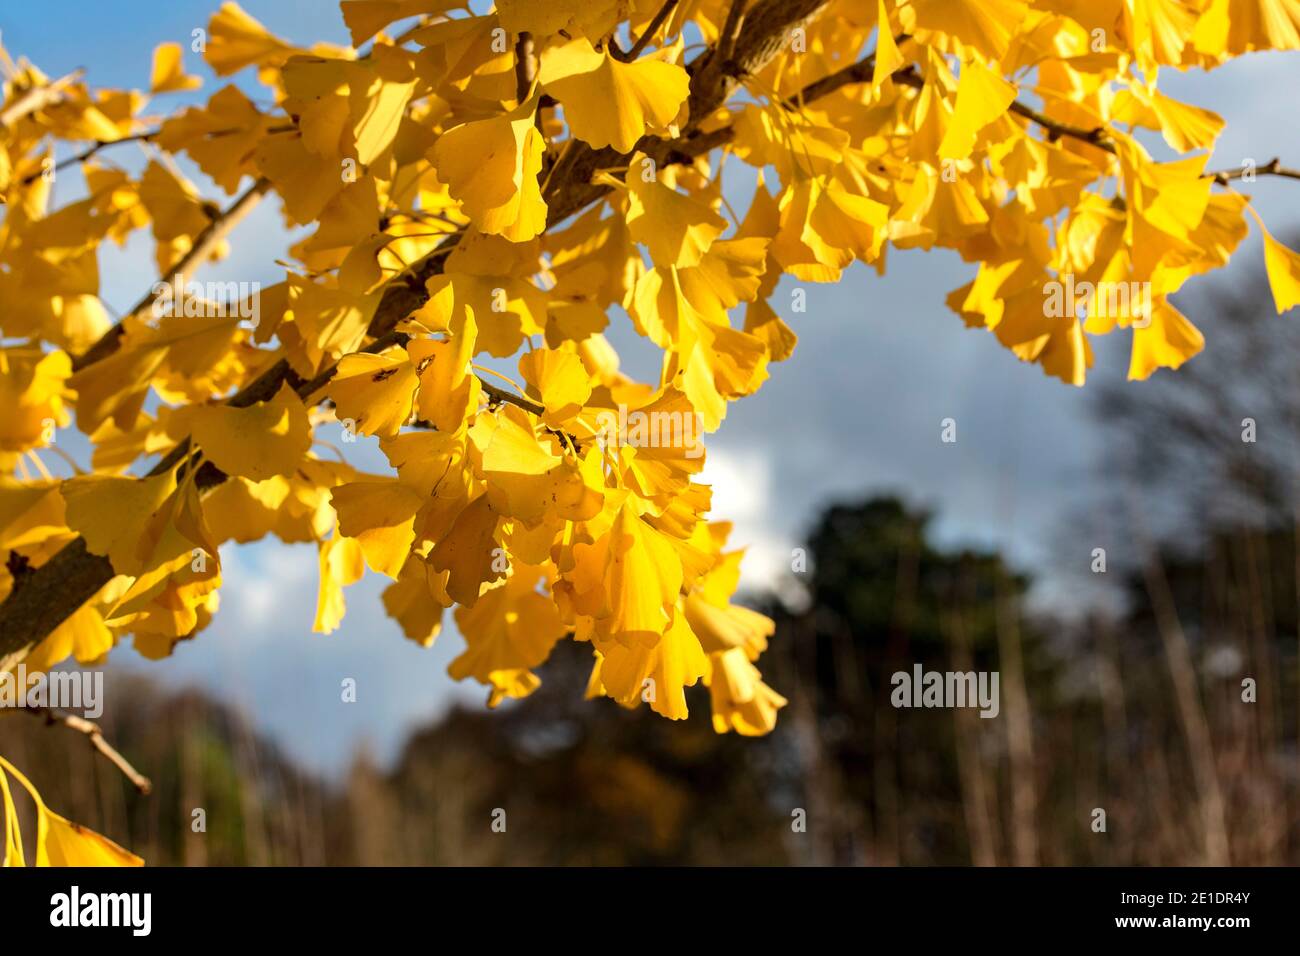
pixel 881 362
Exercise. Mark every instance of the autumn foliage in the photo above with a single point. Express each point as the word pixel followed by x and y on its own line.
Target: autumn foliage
pixel 478 185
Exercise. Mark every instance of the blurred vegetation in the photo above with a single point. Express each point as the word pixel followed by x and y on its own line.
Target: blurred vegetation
pixel 591 783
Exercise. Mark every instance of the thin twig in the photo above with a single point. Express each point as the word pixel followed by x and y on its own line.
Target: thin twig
pixel 498 395
pixel 1273 167
pixel 95 734
pixel 1098 136
pixel 648 34
pixel 144 137
pixel 88 153
pixel 398 40
pixel 859 72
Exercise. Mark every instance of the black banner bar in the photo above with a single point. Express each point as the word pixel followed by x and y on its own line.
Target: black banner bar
pixel 331 906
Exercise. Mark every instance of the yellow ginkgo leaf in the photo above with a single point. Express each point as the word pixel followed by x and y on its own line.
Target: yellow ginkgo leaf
pixel 539 19
pixel 305 181
pixel 379 92
pixel 1160 30
pixel 168 75
pixel 984 25
pixel 113 514
pixel 663 312
pixel 244 510
pixel 610 103
pixel 61 842
pixel 176 572
pixel 29 512
pixel 628 580
pixel 116 386
pixel 365 18
pixel 676 228
pixel 982 96
pixel 373 394
pixel 730 273
pixel 672 665
pixel 13 855
pixel 515 306
pixel 729 625
pixel 592 18
pixel 823 227
pixel 491 166
pixel 741 701
pixel 528 482
pixel 225 157
pixel 83 636
pixel 380 515
pixel 1283 268
pixel 341 564
pixel 666 434
pixel 511 629
pixel 888 59
pixel 449 391
pixel 561 381
pixel 255 442
pixel 32 394
pixel 1233 27
pixel 1167 341
pixel 1184 126
pixel 470 552
pixel 327 322
pixel 430 461
pixel 416 601
pixel 236 40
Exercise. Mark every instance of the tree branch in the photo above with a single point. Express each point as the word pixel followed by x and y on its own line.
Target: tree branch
pixel 95 735
pixel 730 29
pixel 525 65
pixel 204 244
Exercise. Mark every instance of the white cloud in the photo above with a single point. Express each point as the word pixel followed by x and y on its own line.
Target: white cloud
pixel 266 582
pixel 742 494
